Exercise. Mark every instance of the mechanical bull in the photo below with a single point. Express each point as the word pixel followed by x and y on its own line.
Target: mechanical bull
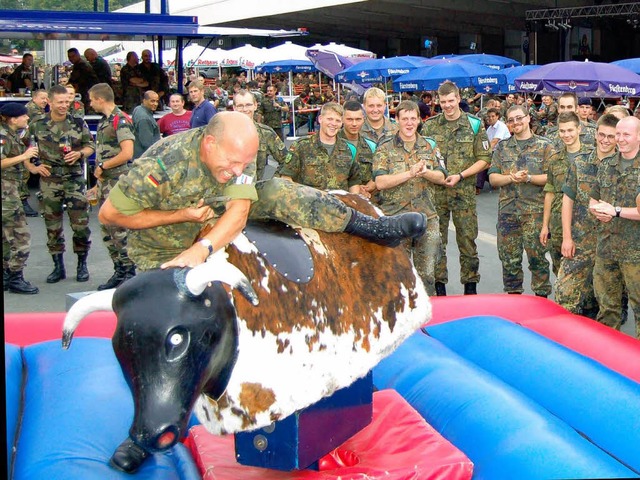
pixel 279 342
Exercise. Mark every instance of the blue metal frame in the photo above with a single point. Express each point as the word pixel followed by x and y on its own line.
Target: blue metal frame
pixel 79 25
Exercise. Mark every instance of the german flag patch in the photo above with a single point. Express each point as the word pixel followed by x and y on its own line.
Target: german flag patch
pixel 153 181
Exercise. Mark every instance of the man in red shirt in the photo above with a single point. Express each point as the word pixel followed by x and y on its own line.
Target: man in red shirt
pixel 178 120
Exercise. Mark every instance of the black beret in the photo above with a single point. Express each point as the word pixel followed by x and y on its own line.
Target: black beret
pixel 13 109
pixel 584 101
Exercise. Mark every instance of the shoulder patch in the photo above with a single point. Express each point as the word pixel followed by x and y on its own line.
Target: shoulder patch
pixel 475 123
pixel 431 142
pixel 371 144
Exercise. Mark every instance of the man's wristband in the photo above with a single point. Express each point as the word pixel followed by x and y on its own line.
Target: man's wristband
pixel 461 176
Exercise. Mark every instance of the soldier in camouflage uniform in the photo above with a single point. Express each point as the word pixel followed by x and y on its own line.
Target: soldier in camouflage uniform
pixel 38 104
pixel 547 114
pixel 270 143
pixel 76 107
pixel 35 108
pixel 376 125
pixel 518 168
pixel 464 144
pixel 613 202
pixel 15 157
pixel 325 161
pixel 571 146
pixel 574 285
pixel 207 173
pixel 55 132
pixel 114 149
pixel 568 102
pixel 405 168
pixel 271 109
pixel 353 120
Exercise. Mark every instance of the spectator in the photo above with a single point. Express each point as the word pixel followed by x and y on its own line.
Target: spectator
pixel 132 82
pixel 82 75
pixel 145 127
pixel 178 120
pixel 156 78
pixel 203 110
pixel 518 169
pixel 22 76
pixel 271 109
pixel 114 141
pixel 100 66
pixel 496 131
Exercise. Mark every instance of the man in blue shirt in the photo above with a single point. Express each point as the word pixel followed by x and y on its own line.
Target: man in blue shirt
pixel 203 109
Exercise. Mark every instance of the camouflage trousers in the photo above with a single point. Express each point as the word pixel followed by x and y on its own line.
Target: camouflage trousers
pixel 299 205
pixel 72 191
pixel 466 223
pixel 16 237
pixel 515 234
pixel 554 245
pixel 610 277
pixel 24 185
pixel 114 238
pixel 425 253
pixel 574 285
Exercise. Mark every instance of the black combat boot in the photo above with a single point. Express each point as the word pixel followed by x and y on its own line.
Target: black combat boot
pixel 119 272
pixel 543 295
pixel 624 315
pixel 387 231
pixel 129 272
pixel 470 288
pixel 28 211
pixel 441 289
pixel 5 278
pixel 58 269
pixel 82 274
pixel 17 284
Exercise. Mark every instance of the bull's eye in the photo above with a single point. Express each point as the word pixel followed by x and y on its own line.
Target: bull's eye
pixel 177 343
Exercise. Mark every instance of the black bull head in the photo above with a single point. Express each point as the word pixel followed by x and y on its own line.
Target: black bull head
pixel 175 338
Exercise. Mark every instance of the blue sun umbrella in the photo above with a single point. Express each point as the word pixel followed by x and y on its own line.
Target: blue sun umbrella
pixel 377 70
pixel 632 64
pixel 496 62
pixel 463 74
pixel 511 74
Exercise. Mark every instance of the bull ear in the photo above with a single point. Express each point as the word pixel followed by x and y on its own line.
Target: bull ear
pixel 218 269
pixel 99 301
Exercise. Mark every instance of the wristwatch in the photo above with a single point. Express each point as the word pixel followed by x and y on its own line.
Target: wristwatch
pixel 205 242
pixel 101 165
pixel 528 178
pixel 618 211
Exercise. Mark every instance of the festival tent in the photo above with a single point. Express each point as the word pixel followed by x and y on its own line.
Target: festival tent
pixel 286 51
pixel 247 57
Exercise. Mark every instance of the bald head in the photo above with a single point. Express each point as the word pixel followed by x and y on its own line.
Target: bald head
pixel 628 137
pixel 90 54
pixel 230 145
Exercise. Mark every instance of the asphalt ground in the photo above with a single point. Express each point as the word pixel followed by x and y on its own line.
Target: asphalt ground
pixel 53 297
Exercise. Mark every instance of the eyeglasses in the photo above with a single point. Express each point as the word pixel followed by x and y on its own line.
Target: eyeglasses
pixel 240 106
pixel 517 119
pixel 602 136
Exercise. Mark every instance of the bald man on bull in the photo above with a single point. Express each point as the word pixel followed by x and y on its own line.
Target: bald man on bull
pixel 207 175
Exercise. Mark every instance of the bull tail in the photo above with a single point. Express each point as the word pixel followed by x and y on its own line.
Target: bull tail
pixel 99 301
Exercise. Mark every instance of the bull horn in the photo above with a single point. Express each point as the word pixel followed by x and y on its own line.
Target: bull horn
pixel 218 269
pixel 99 301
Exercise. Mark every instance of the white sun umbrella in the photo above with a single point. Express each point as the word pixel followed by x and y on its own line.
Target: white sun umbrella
pixel 247 57
pixel 286 51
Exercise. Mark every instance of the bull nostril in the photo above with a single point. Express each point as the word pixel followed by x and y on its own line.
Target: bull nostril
pixel 167 438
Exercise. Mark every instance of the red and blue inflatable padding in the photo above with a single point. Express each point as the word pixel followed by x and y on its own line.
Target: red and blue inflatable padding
pixel 523 388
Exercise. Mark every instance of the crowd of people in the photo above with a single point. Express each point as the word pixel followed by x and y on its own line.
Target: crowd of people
pixel 568 176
